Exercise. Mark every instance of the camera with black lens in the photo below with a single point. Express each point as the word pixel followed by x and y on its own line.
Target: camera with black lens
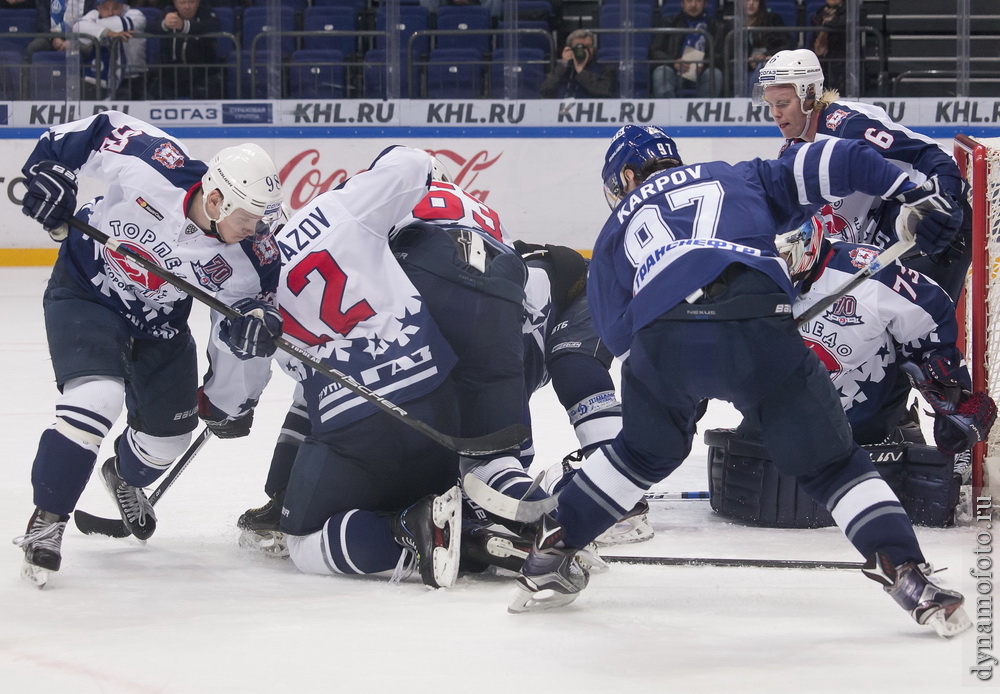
pixel 580 52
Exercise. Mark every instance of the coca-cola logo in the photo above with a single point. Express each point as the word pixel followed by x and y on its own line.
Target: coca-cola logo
pixel 304 175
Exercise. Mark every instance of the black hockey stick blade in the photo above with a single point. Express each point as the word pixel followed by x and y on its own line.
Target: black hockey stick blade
pixel 115 527
pixel 746 563
pixel 495 442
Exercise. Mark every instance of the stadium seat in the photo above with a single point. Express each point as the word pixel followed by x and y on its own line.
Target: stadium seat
pixel 227 18
pixel 375 77
pixel 535 11
pixel 529 39
pixel 255 22
pixel 529 73
pixel 641 67
pixel 412 18
pixel 13 25
pixel 331 19
pixel 10 75
pixel 610 18
pixel 357 5
pixel 788 10
pixel 317 74
pixel 464 18
pixel 252 79
pixel 47 76
pixel 454 73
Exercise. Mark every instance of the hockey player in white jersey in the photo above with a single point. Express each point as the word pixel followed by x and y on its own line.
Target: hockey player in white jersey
pixel 791 84
pixel 896 315
pixel 686 280
pixel 119 336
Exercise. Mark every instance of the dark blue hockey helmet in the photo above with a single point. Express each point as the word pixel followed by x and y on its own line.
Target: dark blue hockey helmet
pixel 630 147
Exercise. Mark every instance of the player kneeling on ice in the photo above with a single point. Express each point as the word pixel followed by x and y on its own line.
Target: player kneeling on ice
pixel 118 335
pixel 686 280
pixel 559 344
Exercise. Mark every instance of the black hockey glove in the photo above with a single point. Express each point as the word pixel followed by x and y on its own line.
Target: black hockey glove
pixel 929 217
pixel 220 423
pixel 252 333
pixel 51 197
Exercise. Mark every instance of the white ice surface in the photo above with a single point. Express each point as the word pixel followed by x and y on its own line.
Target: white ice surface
pixel 190 612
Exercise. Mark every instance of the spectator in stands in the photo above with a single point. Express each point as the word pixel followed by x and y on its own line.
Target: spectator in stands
pixel 578 74
pixel 682 55
pixel 762 45
pixel 831 46
pixel 55 18
pixel 119 61
pixel 186 61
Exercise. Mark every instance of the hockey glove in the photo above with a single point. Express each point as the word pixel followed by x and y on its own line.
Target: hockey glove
pixel 51 197
pixel 969 424
pixel 220 423
pixel 252 333
pixel 929 217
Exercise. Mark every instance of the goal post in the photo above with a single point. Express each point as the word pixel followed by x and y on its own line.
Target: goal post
pixel 979 161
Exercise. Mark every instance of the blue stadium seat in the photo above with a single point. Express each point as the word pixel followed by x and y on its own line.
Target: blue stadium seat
pixel 610 18
pixel 529 72
pixel 357 5
pixel 530 39
pixel 375 77
pixel 317 74
pixel 153 18
pixel 228 17
pixel 788 10
pixel 454 73
pixel 10 75
pixel 13 24
pixel 252 78
pixel 47 76
pixel 296 5
pixel 640 74
pixel 330 19
pixel 255 22
pixel 464 18
pixel 412 18
pixel 535 11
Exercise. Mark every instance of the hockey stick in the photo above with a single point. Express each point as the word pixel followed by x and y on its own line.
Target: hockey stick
pixel 494 442
pixel 115 527
pixel 886 257
pixel 675 496
pixel 746 563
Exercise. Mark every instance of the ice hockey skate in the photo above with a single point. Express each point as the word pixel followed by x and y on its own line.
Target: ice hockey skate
pixel 483 546
pixel 926 602
pixel 634 527
pixel 431 529
pixel 261 528
pixel 41 543
pixel 551 576
pixel 136 511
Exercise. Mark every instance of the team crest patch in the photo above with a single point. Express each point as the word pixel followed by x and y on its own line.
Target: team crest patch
pixel 266 249
pixel 168 155
pixel 844 311
pixel 213 274
pixel 149 208
pixel 834 120
pixel 142 280
pixel 863 257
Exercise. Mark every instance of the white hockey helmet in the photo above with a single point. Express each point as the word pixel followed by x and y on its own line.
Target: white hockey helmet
pixel 800 248
pixel 439 172
pixel 799 68
pixel 247 179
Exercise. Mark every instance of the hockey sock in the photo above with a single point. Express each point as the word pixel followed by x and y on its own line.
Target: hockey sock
pixel 505 474
pixel 142 458
pixel 865 508
pixel 600 493
pixel 67 451
pixel 293 431
pixel 585 389
pixel 353 542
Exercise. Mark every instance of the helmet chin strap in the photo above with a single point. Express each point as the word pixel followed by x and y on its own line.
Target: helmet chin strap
pixel 213 224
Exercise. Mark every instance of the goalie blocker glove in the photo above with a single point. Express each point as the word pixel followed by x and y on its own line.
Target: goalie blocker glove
pixel 220 423
pixel 252 333
pixel 928 216
pixel 961 418
pixel 51 197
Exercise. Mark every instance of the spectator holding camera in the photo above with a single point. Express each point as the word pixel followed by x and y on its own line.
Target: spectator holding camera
pixel 578 74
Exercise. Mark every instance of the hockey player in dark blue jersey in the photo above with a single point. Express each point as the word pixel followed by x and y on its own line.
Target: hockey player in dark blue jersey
pixel 791 85
pixel 687 287
pixel 118 335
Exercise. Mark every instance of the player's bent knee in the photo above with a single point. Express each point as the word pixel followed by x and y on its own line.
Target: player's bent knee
pixel 306 552
pixel 88 407
pixel 158 450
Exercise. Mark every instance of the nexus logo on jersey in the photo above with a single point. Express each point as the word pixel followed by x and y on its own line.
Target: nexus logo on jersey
pixel 213 274
pixel 168 155
pixel 149 208
pixel 134 274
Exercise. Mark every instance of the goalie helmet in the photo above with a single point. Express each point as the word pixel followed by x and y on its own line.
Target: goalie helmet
pixel 439 172
pixel 800 248
pixel 630 147
pixel 799 68
pixel 247 179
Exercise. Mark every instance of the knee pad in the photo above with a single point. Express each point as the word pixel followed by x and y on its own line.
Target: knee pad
pixel 744 484
pixel 88 407
pixel 306 552
pixel 156 451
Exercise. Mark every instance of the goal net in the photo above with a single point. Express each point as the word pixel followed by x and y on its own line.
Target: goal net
pixel 979 160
